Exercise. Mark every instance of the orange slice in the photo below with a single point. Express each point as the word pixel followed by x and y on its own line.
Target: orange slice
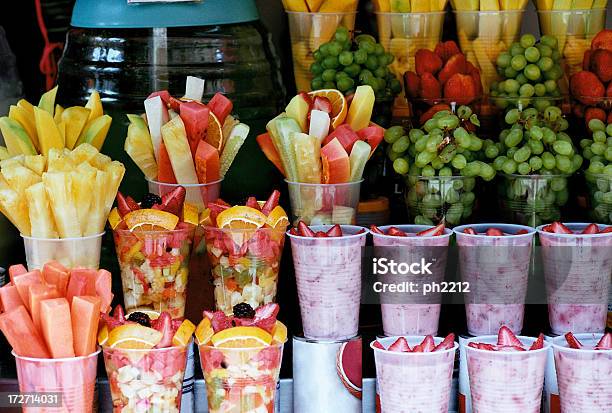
pixel 150 220
pixel 205 219
pixel 204 332
pixel 338 102
pixel 279 332
pixel 190 214
pixel 242 337
pixel 183 334
pixel 277 218
pixel 133 336
pixel 214 132
pixel 241 217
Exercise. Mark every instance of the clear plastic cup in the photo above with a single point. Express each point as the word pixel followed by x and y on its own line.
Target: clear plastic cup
pixel 574 29
pixel 497 270
pixel 148 380
pixel 74 378
pixel 328 275
pixel 155 268
pixel 322 204
pixel 506 381
pixel 417 315
pixel 308 32
pixel 532 199
pixel 244 265
pixel 432 199
pixel 414 382
pixel 197 194
pixel 70 252
pixel 577 270
pixel 600 197
pixel 241 380
pixel 484 35
pixel 583 376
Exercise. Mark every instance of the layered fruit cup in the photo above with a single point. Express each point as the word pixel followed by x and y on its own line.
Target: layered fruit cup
pixel 600 196
pixel 245 264
pixel 494 259
pixel 577 269
pixel 155 268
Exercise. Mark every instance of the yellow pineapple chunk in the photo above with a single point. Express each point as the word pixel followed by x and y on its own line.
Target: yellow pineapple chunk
pixel 61 198
pixel 42 223
pixel 35 163
pixel 82 190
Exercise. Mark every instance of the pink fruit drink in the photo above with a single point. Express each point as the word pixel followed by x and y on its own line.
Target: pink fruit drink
pixel 497 270
pixel 506 381
pixel 405 318
pixel 414 382
pixel 328 275
pixel 577 271
pixel 584 376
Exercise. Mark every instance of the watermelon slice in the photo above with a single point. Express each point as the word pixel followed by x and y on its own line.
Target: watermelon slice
pixel 57 275
pixel 164 166
pixel 23 283
pixel 163 94
pixel 21 334
pixel 16 270
pixel 82 282
pixel 195 117
pixel 336 164
pixel 220 106
pixel 373 135
pixel 358 159
pixel 345 135
pixel 9 298
pixel 103 285
pixel 157 116
pixel 85 313
pixel 38 293
pixel 267 147
pixel 206 161
pixel 57 327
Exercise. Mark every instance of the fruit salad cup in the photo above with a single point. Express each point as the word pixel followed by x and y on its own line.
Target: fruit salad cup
pixel 577 271
pixel 70 252
pixel 244 264
pixel 600 197
pixel 155 268
pixel 497 270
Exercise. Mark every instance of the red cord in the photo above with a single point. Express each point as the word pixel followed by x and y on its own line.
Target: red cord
pixel 48 63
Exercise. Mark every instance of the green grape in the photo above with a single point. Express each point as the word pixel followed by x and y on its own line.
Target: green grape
pixel 475 143
pixel 345 83
pixel 330 62
pixel 540 89
pixel 503 60
pixel 393 134
pixel 523 168
pixel 400 165
pixel 564 164
pixel 432 143
pixel 445 171
pixel 609 130
pixel 329 75
pixel 401 145
pixel 335 49
pixel 414 134
pixel 373 83
pixel 316 69
pixel 352 70
pixel 421 143
pixel 527 40
pixel 521 79
pixel 472 169
pixel 428 171
pixel 576 162
pixel 367 47
pixel 545 64
pixel 511 86
pixel 584 143
pixel 549 136
pixel 596 167
pixel 342 35
pixel 464 112
pixel 548 160
pixel 448 153
pixel 365 76
pixel 423 158
pixel 509 166
pixel 558 184
pixel 536 147
pixel 516 49
pixel 359 39
pixel 550 41
pixel 608 170
pixel 487 172
pixel 329 85
pixel 396 86
pixel 323 50
pixel 522 154
pixel 532 54
pixel 379 50
pixel 562 147
pixel 393 155
pixel 600 136
pixel 552 113
pixel 430 125
pixel 545 51
pixel 532 72
pixel 536 133
pixel 509 72
pixel 529 113
pixel 498 163
pixel 448 122
pixel 514 138
pixel 598 148
pixel 596 125
pixel 380 72
pixel 535 162
pixel 526 90
pixel 437 163
pixel 346 58
pixel 360 56
pixel 512 116
pixel 608 154
pixel 458 162
pixel 518 62
pixel 371 62
pixel 555 73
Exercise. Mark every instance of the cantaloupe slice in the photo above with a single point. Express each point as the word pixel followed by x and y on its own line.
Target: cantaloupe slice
pixel 38 293
pixel 16 270
pixel 57 327
pixel 57 275
pixel 85 313
pixel 82 282
pixel 9 298
pixel 103 285
pixel 21 334
pixel 23 283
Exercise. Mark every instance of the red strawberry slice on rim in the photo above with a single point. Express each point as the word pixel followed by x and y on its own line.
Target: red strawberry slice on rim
pixel 494 232
pixel 400 345
pixel 572 341
pixel 271 203
pixel 538 344
pixel 378 345
pixel 304 230
pixel 122 205
pixel 591 229
pixel 427 345
pixel 510 348
pixel 218 320
pixel 470 231
pixel 559 228
pixel 605 343
pixel 521 232
pixel 483 346
pixel 119 314
pixel 252 203
pixel 320 234
pixel 335 231
pixel 375 230
pixel 606 230
pixel 395 232
pixel 506 337
pixel 173 201
pixel 432 232
pixel 446 344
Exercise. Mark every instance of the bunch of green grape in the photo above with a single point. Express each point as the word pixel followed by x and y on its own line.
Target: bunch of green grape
pixel 344 64
pixel 440 164
pixel 598 151
pixel 530 72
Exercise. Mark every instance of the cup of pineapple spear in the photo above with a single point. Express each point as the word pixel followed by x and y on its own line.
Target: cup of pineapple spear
pixel 55 186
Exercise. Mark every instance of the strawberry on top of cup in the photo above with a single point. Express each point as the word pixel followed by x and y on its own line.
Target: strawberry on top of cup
pixel 493 232
pixel 605 343
pixel 304 230
pixel 559 228
pixel 426 346
pixel 507 341
pixel 396 232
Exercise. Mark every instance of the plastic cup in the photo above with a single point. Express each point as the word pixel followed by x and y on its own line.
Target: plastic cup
pixel 532 199
pixel 583 376
pixel 74 378
pixel 244 265
pixel 198 194
pixel 497 270
pixel 146 380
pixel 154 268
pixel 241 380
pixel 506 381
pixel 70 252
pixel 577 270
pixel 432 199
pixel 308 32
pixel 600 197
pixel 574 29
pixel 328 275
pixel 322 204
pixel 417 315
pixel 414 382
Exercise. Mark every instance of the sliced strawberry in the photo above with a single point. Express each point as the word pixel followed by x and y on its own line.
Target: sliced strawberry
pixel 265 316
pixel 591 229
pixel 304 230
pixel 548 228
pixel 538 344
pixel 400 345
pixel 510 348
pixel 218 320
pixel 122 205
pixel 394 232
pixel 559 228
pixel 320 234
pixel 606 230
pixel 573 341
pixel 361 231
pixel 378 345
pixel 427 345
pixel 173 201
pixel 334 231
pixel 494 232
pixel 119 314
pixel 164 325
pixel 506 337
pixel 132 204
pixel 483 346
pixel 293 231
pixel 376 230
pixel 216 208
pixel 470 231
pixel 252 202
pixel 432 232
pixel 447 343
pixel 271 203
pixel 521 232
pixel 323 104
pixel 111 322
pixel 605 343
pixel 306 98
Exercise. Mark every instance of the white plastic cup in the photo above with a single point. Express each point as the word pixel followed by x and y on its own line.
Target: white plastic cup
pixel 70 252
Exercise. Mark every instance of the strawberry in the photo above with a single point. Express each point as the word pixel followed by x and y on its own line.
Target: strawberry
pixel 446 50
pixel 521 232
pixel 111 322
pixel 603 40
pixel 164 325
pixel 494 232
pixel 252 202
pixel 601 64
pixel 427 61
pixel 293 231
pixel 470 231
pixel 334 231
pixel 460 88
pixel 394 232
pixel 323 104
pixel 378 345
pixel 271 203
pixel 124 206
pixel 375 230
pixel 594 113
pixel 432 111
pixel 605 343
pixel 591 229
pixel 538 344
pixel 427 345
pixel 456 64
pixel 412 82
pixel 483 346
pixel 216 208
pixel 173 201
pixel 218 320
pixel 572 341
pixel 447 343
pixel 119 314
pixel 361 231
pixel 506 337
pixel 307 99
pixel 304 230
pixel 559 228
pixel 548 228
pixel 265 316
pixel 430 88
pixel 400 345
pixel 510 348
pixel 587 88
pixel 320 234
pixel 606 230
pixel 432 232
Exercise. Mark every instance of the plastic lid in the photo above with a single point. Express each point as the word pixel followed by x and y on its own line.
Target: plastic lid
pixel 380 204
pixel 120 14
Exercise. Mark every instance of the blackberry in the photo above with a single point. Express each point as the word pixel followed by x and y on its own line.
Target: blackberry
pixel 149 200
pixel 243 310
pixel 140 318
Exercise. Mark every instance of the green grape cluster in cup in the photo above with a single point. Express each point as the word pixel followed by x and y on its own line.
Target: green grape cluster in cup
pixel 440 164
pixel 598 152
pixel 530 73
pixel 344 64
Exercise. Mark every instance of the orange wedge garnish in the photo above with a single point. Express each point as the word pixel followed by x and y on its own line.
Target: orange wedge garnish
pixel 150 220
pixel 279 332
pixel 241 217
pixel 183 333
pixel 190 214
pixel 277 218
pixel 214 132
pixel 242 337
pixel 338 102
pixel 204 331
pixel 133 336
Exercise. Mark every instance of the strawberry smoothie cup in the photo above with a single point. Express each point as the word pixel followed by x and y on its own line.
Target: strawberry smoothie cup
pixel 583 375
pixel 414 317
pixel 414 382
pixel 244 264
pixel 328 275
pixel 577 270
pixel 155 268
pixel 146 380
pixel 506 381
pixel 74 378
pixel 497 270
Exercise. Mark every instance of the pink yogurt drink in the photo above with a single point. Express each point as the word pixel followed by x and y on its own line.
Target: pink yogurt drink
pixel 577 270
pixel 497 270
pixel 414 382
pixel 413 314
pixel 328 275
pixel 506 381
pixel 584 376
